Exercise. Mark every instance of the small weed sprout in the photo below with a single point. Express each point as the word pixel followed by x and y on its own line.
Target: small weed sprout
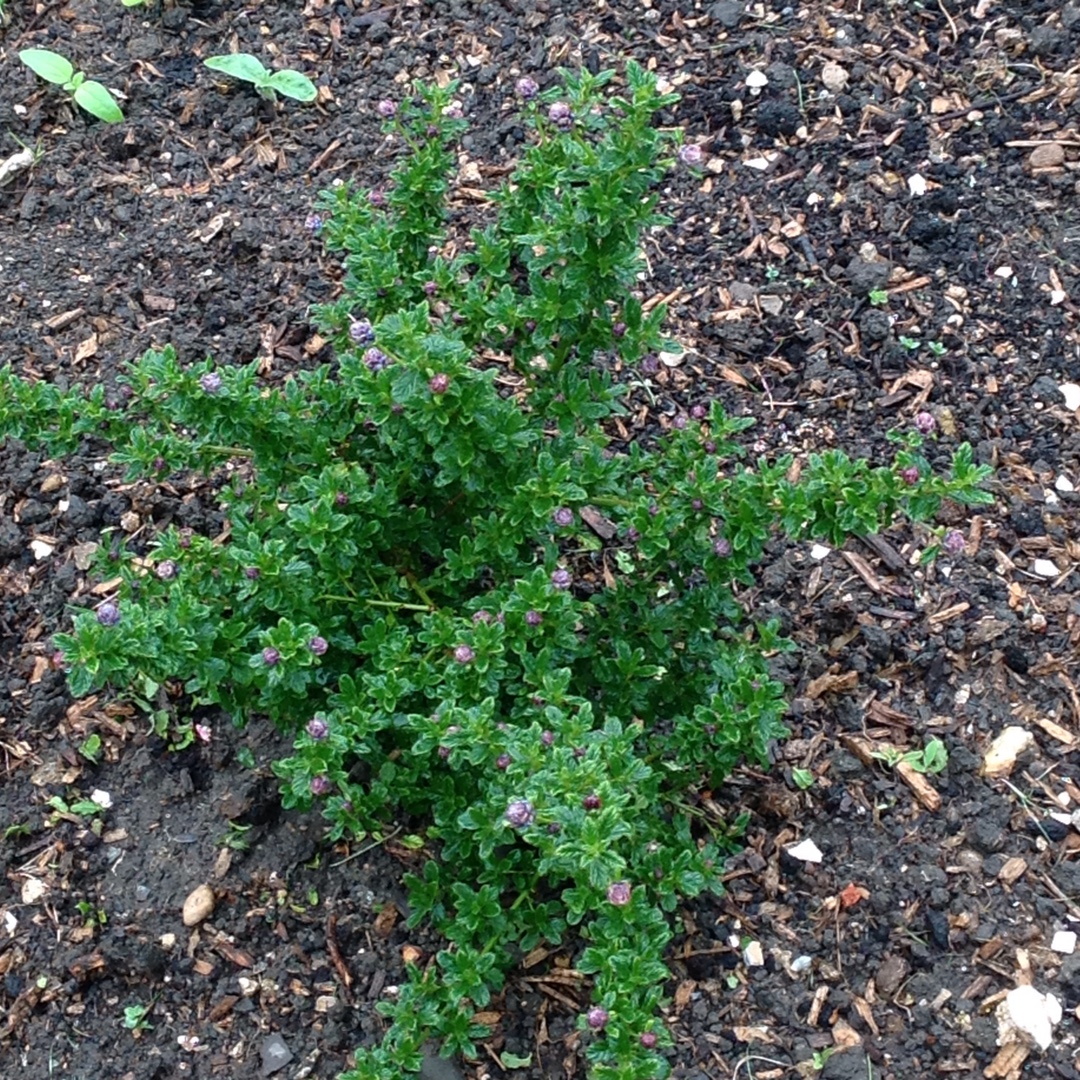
pixel 86 93
pixel 879 297
pixel 250 69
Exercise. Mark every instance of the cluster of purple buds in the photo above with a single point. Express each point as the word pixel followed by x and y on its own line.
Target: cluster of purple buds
pixel 252 573
pixel 560 114
pixel 313 223
pixel 953 542
pixel 464 655
pixel 691 155
pixel 270 656
pixel 318 728
pixel 698 412
pixel 454 111
pixel 376 359
pixel 648 1039
pixel 439 383
pixel 526 88
pixel 377 197
pixel 925 423
pixel 520 813
pixel 533 618
pixel 619 892
pixel 108 614
pixel 563 516
pixel 561 579
pixel 320 785
pixel 183 537
pixel 386 108
pixel 910 475
pixel 361 331
pixel 547 738
pixel 721 547
pixel 210 382
pixel 679 422
pixel 431 288
pixel 481 616
pixel 502 762
pixel 318 645
pixel 618 330
pixel 165 570
pixel 592 802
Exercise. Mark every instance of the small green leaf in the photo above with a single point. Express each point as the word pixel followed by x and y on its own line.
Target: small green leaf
pixel 50 66
pixel 515 1061
pixel 240 66
pixel 292 84
pixel 96 100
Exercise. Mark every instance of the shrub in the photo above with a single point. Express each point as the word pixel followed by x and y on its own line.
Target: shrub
pixel 474 609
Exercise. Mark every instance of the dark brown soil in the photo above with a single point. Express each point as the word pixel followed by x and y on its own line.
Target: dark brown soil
pixel 185 224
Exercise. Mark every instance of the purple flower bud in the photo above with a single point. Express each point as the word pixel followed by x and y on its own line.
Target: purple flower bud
pixel 377 197
pixel 910 475
pixel 453 111
pixel 108 614
pixel 697 504
pixel 592 802
pixel 618 893
pixel 464 655
pixel 691 155
pixel 648 1040
pixel 953 542
pixel 633 535
pixel 679 422
pixel 165 570
pixel 697 412
pixel 361 332
pixel 721 547
pixel 559 113
pixel 210 382
pixel 252 573
pixel 481 616
pixel 561 579
pixel 554 829
pixel 57 660
pixel 547 738
pixel 533 618
pixel 925 423
pixel 618 330
pixel 597 1018
pixel 270 656
pixel 313 223
pixel 439 383
pixel 520 813
pixel 183 538
pixel 444 752
pixel 563 516
pixel 710 446
pixel 503 762
pixel 386 108
pixel 376 359
pixel 341 499
pixel 431 288
pixel 653 509
pixel 318 645
pixel 160 464
pixel 526 88
pixel 320 785
pixel 650 364
pixel 318 728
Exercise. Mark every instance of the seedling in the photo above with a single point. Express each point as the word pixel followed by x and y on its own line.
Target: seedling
pixel 932 758
pixel 910 343
pixel 91 748
pixel 87 94
pixel 772 272
pixel 249 68
pixel 803 779
pixel 93 915
pixel 236 838
pixel 135 1018
pixel 879 297
pixel 937 347
pixel 84 808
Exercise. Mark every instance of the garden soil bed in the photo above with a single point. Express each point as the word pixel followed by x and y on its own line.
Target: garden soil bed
pixel 930 150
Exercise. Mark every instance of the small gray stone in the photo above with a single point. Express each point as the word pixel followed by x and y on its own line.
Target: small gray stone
pixel 1070 16
pixel 33 512
pixel 434 1067
pixel 1046 389
pixel 1046 40
pixel 728 13
pixel 275 1054
pixel 142 894
pixel 378 32
pixel 875 325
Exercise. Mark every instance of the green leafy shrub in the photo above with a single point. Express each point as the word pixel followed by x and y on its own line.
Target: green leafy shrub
pixel 477 611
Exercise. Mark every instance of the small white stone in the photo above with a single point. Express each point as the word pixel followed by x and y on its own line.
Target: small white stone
pixel 10 922
pixel 101 798
pixel 752 955
pixel 756 80
pixel 1071 393
pixel 916 184
pixel 801 964
pixel 759 163
pixel 1064 942
pixel 834 76
pixel 1004 272
pixel 33 889
pixel 1063 483
pixel 819 552
pixel 1045 568
pixel 806 851
pixel 42 549
pixel 1057 296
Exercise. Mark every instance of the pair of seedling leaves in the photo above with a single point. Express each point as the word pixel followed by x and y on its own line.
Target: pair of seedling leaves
pixel 96 99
